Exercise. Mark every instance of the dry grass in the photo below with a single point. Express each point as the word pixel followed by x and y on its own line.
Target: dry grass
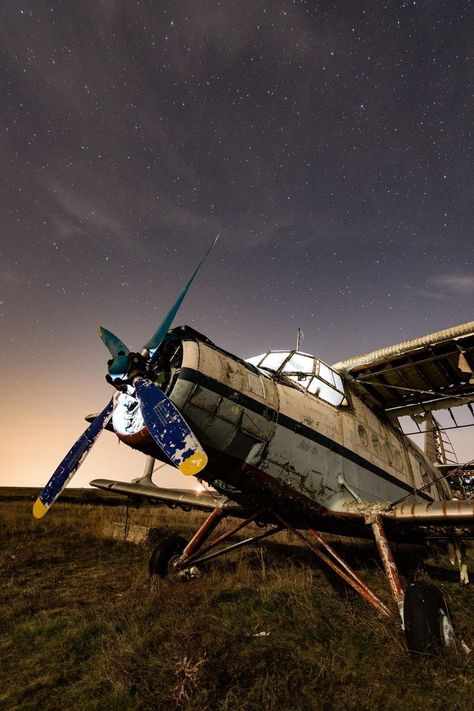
pixel 82 628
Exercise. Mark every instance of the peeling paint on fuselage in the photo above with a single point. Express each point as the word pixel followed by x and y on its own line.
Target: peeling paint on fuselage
pixel 270 438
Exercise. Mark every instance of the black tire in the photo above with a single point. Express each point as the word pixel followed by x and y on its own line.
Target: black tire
pixel 163 554
pixel 426 618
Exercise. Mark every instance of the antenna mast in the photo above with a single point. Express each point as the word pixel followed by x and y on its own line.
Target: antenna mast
pixel 299 338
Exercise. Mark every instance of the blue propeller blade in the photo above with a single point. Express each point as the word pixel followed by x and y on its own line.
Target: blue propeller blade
pixel 169 429
pixel 117 349
pixel 161 332
pixel 71 462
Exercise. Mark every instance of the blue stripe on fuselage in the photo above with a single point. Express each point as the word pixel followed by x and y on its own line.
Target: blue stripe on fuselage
pixel 205 381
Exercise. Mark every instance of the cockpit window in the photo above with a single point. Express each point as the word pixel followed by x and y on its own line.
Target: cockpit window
pixel 326 373
pixel 273 361
pixel 269 361
pixel 330 376
pixel 326 392
pixel 299 363
pixel 255 360
pixel 310 373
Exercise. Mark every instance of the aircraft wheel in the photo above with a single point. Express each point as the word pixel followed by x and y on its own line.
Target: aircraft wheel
pixel 167 551
pixel 426 618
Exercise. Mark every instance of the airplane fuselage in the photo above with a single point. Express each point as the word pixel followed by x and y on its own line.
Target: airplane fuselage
pixel 264 433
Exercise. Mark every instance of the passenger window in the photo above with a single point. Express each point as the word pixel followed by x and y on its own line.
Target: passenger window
pixel 424 475
pixel 397 461
pixel 376 445
pixel 388 453
pixel 362 432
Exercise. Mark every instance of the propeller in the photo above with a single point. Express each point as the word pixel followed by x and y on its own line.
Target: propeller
pixel 163 420
pixel 155 341
pixel 71 462
pixel 118 364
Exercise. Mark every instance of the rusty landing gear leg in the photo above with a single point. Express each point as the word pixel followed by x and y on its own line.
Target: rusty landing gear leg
pixel 201 535
pixel 388 561
pixel 338 565
pixel 424 614
pixel 172 554
pixel 193 554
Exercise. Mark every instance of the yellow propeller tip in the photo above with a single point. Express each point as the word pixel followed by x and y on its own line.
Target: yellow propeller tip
pixel 193 464
pixel 39 509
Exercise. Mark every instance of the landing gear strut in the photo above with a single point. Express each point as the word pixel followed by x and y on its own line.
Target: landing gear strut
pixel 169 556
pixel 423 610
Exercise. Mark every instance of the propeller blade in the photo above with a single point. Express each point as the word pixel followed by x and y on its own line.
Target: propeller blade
pixel 117 349
pixel 71 462
pixel 169 429
pixel 161 332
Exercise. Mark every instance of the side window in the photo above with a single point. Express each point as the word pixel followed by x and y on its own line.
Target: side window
pixel 388 451
pixel 325 392
pixel 424 473
pixel 376 445
pixel 397 461
pixel 362 434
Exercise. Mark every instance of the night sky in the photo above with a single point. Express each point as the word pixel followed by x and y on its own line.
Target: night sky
pixel 329 141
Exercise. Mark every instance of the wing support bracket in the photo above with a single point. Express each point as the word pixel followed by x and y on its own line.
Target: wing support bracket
pixel 338 565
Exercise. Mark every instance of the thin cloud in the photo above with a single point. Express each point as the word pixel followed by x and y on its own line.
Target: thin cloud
pixel 77 211
pixel 454 283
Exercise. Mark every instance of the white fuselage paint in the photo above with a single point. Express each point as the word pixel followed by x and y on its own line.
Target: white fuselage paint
pixel 332 455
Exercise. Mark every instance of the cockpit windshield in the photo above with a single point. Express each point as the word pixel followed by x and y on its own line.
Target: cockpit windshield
pixel 309 372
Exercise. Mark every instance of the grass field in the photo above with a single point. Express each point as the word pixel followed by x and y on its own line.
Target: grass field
pixel 82 627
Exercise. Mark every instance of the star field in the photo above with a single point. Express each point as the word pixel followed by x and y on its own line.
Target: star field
pixel 329 141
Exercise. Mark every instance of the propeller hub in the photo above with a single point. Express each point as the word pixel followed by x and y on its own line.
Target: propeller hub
pixel 132 366
pixel 138 366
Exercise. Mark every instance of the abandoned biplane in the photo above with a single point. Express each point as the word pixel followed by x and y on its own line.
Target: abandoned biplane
pixel 291 443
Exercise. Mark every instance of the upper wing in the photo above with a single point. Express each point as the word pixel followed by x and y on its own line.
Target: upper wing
pixel 183 498
pixel 430 373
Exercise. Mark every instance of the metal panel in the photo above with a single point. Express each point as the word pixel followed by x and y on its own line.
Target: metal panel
pixel 229 411
pixel 205 399
pixel 210 430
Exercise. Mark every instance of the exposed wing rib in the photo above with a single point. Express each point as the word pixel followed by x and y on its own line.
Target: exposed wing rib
pixel 428 373
pixel 183 498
